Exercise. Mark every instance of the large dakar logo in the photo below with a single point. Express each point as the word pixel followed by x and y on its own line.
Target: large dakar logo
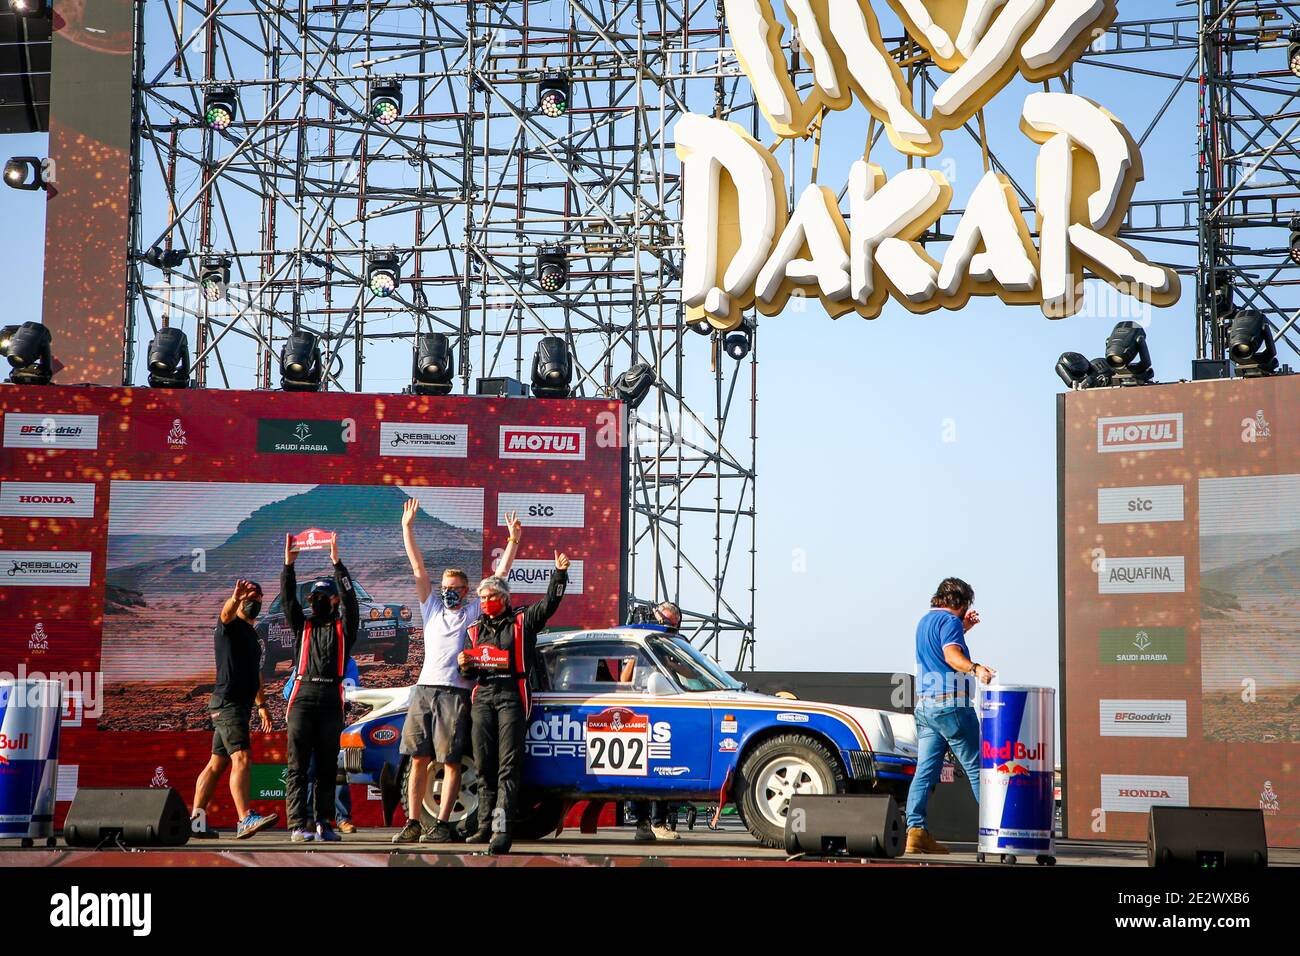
pixel 760 253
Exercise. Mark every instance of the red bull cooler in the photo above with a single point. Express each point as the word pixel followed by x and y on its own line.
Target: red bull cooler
pixel 30 712
pixel 1017 772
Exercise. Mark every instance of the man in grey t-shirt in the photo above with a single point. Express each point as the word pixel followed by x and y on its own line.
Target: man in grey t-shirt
pixel 437 718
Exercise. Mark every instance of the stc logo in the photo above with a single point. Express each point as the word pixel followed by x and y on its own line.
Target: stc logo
pixel 557 444
pixel 1140 433
pixel 1141 505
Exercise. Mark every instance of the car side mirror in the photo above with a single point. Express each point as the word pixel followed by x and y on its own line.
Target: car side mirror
pixel 659 686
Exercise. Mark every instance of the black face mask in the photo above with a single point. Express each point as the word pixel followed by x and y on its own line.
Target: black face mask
pixel 321 608
pixel 251 609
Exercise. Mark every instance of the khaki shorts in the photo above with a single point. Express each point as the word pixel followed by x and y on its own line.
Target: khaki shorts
pixel 437 723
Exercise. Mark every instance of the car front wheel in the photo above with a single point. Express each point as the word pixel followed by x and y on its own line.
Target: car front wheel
pixel 464 811
pixel 773 772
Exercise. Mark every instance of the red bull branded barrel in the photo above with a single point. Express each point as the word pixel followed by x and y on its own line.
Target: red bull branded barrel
pixel 1017 771
pixel 30 711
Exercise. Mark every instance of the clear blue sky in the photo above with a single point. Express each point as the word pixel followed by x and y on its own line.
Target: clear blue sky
pixel 854 469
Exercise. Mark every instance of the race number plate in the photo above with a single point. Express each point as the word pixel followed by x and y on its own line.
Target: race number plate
pixel 313 539
pixel 489 658
pixel 618 743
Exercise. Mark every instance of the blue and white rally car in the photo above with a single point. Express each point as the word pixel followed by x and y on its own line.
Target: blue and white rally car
pixel 638 713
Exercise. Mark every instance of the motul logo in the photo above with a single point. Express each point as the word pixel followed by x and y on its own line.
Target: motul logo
pixel 1140 433
pixel 568 444
pixel 46 500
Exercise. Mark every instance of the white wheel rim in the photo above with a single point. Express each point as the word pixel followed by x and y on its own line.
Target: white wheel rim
pixel 466 799
pixel 779 781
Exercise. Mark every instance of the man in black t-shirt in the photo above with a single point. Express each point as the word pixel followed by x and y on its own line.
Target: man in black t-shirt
pixel 235 695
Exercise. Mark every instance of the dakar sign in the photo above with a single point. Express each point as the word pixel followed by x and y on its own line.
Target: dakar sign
pixel 759 252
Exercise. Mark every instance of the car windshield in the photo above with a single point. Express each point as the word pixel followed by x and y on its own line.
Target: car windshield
pixel 693 671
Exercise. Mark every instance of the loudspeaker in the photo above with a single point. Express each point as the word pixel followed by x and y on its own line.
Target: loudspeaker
pixel 861 824
pixel 145 817
pixel 1206 838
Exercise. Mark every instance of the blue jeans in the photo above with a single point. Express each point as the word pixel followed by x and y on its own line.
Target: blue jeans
pixel 939 729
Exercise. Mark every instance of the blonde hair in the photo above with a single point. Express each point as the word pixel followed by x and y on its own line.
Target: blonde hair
pixel 456 573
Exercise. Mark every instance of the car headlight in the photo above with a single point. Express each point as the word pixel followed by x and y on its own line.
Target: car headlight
pixel 388 612
pixel 374 614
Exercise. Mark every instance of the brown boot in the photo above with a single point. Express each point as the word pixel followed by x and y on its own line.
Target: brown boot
pixel 920 841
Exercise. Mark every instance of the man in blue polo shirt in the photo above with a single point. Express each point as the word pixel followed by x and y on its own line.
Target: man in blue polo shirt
pixel 946 715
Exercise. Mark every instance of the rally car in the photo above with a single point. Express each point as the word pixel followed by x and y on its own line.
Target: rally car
pixel 637 713
pixel 385 630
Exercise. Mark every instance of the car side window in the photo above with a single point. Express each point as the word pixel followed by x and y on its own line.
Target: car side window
pixel 605 667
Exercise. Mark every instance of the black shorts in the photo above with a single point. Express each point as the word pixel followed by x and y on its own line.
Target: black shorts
pixel 229 727
pixel 437 723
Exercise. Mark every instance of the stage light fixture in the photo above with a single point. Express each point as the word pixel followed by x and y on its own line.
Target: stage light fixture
pixel 1127 355
pixel 1077 372
pixel 301 369
pixel 552 268
pixel 553 95
pixel 6 336
pixel 24 172
pixel 29 8
pixel 30 357
pixel 169 359
pixel 220 104
pixel 1293 53
pixel 433 364
pixel 739 340
pixel 214 276
pixel 1251 345
pixel 1295 239
pixel 161 258
pixel 634 385
pixel 383 273
pixel 552 368
pixel 1224 302
pixel 385 101
pixel 701 327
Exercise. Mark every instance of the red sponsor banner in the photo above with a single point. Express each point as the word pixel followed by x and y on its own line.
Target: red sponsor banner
pixel 313 539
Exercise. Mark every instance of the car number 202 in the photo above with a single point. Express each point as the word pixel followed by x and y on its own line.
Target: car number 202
pixel 617 753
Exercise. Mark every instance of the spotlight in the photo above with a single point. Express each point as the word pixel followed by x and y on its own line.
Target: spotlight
pixel 1078 373
pixel 169 359
pixel 384 273
pixel 300 363
pixel 552 368
pixel 385 102
pixel 739 340
pixel 552 268
pixel 6 336
pixel 214 276
pixel 24 172
pixel 169 259
pixel 29 8
pixel 634 385
pixel 701 327
pixel 1127 355
pixel 30 355
pixel 433 365
pixel 1223 298
pixel 1250 344
pixel 1295 238
pixel 219 107
pixel 553 95
pixel 1293 54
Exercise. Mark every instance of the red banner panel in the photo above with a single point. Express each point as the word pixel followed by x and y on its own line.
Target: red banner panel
pixel 126 515
pixel 1180 655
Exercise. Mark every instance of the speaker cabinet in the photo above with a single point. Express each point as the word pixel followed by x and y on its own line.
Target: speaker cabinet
pixel 1206 838
pixel 868 825
pixel 141 817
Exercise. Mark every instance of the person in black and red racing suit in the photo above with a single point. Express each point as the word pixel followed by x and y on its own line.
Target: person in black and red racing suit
pixel 315 710
pixel 502 654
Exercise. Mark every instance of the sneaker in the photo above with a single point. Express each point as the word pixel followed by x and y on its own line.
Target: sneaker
pixel 643 833
pixel 410 833
pixel 482 835
pixel 325 834
pixel 302 835
pixel 663 831
pixel 254 822
pixel 440 832
pixel 347 826
pixel 500 843
pixel 919 840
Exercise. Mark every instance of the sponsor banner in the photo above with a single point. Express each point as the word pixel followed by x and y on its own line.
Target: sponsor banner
pixel 313 539
pixel 51 431
pixel 1128 793
pixel 46 499
pixel 1144 718
pixel 423 440
pixel 1140 504
pixel 266 781
pixel 1160 575
pixel 532 577
pixel 1143 645
pixel 543 511
pixel 1140 433
pixel 59 569
pixel 300 436
pixel 539 442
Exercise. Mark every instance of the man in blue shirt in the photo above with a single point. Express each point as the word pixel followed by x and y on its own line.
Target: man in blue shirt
pixel 946 716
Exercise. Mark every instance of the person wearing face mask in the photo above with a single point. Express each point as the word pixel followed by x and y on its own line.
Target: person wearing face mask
pixel 502 654
pixel 322 645
pixel 437 719
pixel 236 694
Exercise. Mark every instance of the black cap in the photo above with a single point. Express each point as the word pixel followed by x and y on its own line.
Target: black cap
pixel 323 585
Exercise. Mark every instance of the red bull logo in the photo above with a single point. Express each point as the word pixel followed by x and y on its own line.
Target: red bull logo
pixel 1013 769
pixel 1012 750
pixel 14 743
pixel 4 761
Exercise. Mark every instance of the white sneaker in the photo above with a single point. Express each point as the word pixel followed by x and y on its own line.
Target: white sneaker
pixel 663 831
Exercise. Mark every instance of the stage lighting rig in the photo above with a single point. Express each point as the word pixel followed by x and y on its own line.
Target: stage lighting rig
pixel 553 95
pixel 214 276
pixel 433 365
pixel 220 104
pixel 1251 345
pixel 6 336
pixel 1295 238
pixel 701 327
pixel 29 8
pixel 301 369
pixel 1127 355
pixel 552 368
pixel 24 172
pixel 385 101
pixel 552 268
pixel 739 340
pixel 634 385
pixel 169 359
pixel 1293 53
pixel 30 356
pixel 384 273
pixel 1078 373
pixel 168 259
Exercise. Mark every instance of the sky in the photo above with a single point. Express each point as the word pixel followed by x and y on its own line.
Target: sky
pixel 898 451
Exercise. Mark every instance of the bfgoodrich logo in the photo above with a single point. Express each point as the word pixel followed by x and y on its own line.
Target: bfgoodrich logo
pixel 1129 793
pixel 68 569
pixel 1144 718
pixel 75 909
pixel 1140 433
pixel 556 444
pixel 51 431
pixel 46 499
pixel 416 440
pixel 1142 645
pixel 1161 575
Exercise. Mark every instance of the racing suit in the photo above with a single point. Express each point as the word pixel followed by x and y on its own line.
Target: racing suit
pixel 500 703
pixel 315 709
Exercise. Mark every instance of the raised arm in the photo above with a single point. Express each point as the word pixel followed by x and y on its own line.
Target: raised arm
pixel 243 590
pixel 507 560
pixel 289 588
pixel 347 597
pixel 423 586
pixel 536 615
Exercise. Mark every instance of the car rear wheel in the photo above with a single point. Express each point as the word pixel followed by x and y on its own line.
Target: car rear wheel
pixel 773 772
pixel 465 810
